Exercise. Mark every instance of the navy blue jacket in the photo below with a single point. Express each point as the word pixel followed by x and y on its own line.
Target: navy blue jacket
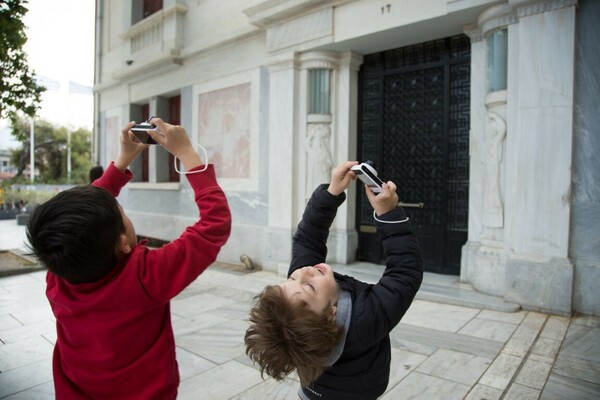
pixel 363 369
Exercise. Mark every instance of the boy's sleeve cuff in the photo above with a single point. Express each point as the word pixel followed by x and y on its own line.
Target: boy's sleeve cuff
pixel 395 216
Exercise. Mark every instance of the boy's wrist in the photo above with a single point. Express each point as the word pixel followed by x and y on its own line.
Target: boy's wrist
pixel 190 159
pixel 333 190
pixel 122 163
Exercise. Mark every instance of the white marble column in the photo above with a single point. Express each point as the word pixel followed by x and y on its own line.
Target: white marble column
pixel 539 273
pixel 344 237
pixel 283 161
pixel 337 131
pixel 485 254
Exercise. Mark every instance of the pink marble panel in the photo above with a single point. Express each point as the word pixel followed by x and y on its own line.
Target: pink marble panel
pixel 224 129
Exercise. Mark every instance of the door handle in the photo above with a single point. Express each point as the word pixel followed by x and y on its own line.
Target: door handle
pixel 411 205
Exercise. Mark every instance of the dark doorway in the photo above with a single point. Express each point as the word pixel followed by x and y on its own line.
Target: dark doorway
pixel 414 107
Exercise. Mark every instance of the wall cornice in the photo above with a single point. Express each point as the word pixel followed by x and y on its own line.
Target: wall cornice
pixel 503 15
pixel 528 10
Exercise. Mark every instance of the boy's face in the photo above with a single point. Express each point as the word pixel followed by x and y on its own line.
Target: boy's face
pixel 314 285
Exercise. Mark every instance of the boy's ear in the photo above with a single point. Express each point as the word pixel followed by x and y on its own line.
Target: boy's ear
pixel 123 246
pixel 332 313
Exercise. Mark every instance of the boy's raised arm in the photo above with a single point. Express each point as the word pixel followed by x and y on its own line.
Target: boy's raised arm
pixel 117 174
pixel 403 274
pixel 129 149
pixel 309 245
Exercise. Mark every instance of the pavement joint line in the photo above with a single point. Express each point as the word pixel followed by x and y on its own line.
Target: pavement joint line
pixel 522 359
pixel 526 357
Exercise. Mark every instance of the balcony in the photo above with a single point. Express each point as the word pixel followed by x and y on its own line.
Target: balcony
pixel 153 43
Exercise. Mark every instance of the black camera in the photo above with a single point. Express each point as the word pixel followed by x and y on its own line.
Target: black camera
pixel 141 132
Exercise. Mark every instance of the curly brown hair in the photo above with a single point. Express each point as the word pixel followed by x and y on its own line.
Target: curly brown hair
pixel 285 336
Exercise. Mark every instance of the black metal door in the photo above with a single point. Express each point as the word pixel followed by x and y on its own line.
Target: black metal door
pixel 414 124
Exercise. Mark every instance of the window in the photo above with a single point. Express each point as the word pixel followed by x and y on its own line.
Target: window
pixel 151 6
pixel 318 89
pixel 141 9
pixel 497 60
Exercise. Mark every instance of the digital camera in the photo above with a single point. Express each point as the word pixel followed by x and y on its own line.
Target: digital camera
pixel 368 175
pixel 141 132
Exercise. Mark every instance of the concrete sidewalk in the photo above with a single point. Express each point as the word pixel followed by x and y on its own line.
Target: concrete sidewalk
pixel 453 343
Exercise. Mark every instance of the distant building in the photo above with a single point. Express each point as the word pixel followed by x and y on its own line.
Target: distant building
pixel 7 170
pixel 484 113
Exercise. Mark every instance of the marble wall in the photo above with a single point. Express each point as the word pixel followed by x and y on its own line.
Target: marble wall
pixel 585 190
pixel 519 242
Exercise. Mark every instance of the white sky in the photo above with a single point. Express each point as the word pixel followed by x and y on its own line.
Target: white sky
pixel 60 46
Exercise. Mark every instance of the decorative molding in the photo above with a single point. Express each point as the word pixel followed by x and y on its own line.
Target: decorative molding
pixel 273 12
pixel 319 118
pixel 319 60
pixel 161 63
pixel 330 60
pixel 495 99
pixel 473 32
pixel 302 33
pixel 544 6
pixel 507 14
pixel 495 18
pixel 350 60
pixel 283 62
pixel 318 64
pixel 499 22
pixel 503 15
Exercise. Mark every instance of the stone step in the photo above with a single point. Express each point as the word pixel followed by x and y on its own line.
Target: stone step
pixel 461 296
pixel 439 288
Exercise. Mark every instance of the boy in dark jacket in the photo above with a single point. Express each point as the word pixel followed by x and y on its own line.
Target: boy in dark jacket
pixel 331 329
pixel 111 295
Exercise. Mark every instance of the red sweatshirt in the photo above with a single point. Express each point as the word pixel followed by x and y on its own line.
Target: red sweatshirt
pixel 115 339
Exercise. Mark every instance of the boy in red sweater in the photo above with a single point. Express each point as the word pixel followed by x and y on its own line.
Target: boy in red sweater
pixel 111 295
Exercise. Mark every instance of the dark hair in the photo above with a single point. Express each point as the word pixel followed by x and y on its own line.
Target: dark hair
pixel 285 336
pixel 96 172
pixel 74 234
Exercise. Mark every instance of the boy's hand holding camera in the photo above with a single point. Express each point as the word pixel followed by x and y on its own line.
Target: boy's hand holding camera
pixel 386 200
pixel 172 137
pixel 382 203
pixel 129 149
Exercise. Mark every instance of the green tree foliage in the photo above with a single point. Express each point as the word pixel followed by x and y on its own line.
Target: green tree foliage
pixel 51 152
pixel 81 155
pixel 19 93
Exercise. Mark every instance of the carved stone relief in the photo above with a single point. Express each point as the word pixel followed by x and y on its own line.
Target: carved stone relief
pixel 318 156
pixel 495 130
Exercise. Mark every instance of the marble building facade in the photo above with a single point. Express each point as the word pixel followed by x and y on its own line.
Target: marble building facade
pixel 244 80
